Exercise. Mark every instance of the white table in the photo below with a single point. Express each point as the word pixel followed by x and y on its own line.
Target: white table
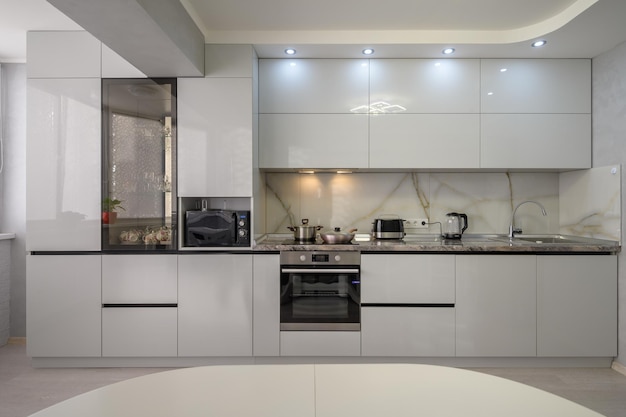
pixel 361 390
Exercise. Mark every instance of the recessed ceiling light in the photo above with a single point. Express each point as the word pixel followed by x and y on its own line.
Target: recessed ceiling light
pixel 503 69
pixel 368 51
pixel 448 51
pixel 290 51
pixel 539 43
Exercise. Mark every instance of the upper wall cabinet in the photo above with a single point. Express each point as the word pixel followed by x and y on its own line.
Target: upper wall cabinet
pixel 63 173
pixel 215 137
pixel 424 85
pixel 313 85
pixel 535 86
pixel 114 66
pixel 313 141
pixel 69 54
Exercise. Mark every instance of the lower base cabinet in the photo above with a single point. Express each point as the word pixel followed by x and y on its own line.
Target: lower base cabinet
pixel 139 332
pixel 407 331
pixel 496 305
pixel 313 343
pixel 577 306
pixel 266 305
pixel 215 305
pixel 63 308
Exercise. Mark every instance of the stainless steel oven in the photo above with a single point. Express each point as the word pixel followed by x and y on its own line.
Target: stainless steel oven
pixel 320 290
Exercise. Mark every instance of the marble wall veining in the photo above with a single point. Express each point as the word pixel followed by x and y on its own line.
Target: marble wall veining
pixel 355 200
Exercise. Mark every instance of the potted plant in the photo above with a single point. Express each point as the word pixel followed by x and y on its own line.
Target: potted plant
pixel 109 205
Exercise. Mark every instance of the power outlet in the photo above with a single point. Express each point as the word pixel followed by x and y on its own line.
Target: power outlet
pixel 416 224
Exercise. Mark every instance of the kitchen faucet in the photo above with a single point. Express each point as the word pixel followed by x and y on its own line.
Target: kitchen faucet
pixel 512 229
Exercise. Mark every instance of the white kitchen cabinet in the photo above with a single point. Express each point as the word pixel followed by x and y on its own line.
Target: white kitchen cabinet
pixel 538 141
pixel 322 343
pixel 407 305
pixel 407 279
pixel 62 54
pixel 266 305
pixel 139 332
pixel 407 331
pixel 496 305
pixel 407 141
pixel 139 314
pixel 577 305
pixel 63 306
pixel 313 141
pixel 313 86
pixel 63 172
pixel 139 279
pixel 425 85
pixel 215 305
pixel 535 86
pixel 214 137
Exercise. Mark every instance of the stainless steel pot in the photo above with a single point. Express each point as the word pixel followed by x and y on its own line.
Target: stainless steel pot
pixel 337 237
pixel 304 233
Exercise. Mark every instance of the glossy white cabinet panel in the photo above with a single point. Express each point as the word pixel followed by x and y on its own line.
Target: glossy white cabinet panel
pixel 313 85
pixel 139 331
pixel 577 305
pixel 215 305
pixel 496 298
pixel 266 305
pixel 313 141
pixel 63 169
pixel 407 278
pixel 114 66
pixel 312 343
pixel 214 137
pixel 535 141
pixel 425 85
pixel 62 54
pixel 63 305
pixel 424 141
pixel 536 86
pixel 137 279
pixel 407 331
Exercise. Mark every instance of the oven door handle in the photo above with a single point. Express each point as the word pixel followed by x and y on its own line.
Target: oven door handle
pixel 317 271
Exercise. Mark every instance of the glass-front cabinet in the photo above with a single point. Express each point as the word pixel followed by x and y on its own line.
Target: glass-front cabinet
pixel 139 164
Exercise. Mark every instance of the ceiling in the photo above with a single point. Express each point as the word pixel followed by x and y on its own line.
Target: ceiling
pixel 393 28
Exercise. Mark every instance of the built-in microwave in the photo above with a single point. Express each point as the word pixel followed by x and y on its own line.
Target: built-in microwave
pixel 217 228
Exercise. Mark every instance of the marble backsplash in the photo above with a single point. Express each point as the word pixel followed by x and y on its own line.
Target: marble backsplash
pixel 355 200
pixel 573 200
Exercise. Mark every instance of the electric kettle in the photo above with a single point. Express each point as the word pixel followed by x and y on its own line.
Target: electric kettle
pixel 455 225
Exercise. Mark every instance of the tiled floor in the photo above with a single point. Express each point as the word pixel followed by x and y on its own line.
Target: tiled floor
pixel 24 390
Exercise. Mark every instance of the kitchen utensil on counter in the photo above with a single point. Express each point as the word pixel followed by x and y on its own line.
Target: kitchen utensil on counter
pixel 454 225
pixel 388 227
pixel 304 233
pixel 337 237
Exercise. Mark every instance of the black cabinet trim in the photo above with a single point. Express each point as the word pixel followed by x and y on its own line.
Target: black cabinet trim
pixel 143 305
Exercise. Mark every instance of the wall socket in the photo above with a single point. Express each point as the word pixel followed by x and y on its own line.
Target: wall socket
pixel 416 224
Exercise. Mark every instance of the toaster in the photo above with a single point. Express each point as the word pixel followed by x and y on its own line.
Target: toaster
pixel 388 228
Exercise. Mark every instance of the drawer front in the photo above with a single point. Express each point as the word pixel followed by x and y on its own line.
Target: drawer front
pixel 407 331
pixel 139 332
pixel 139 279
pixel 408 279
pixel 320 343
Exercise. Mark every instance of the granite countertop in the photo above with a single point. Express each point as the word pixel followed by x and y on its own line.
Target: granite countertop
pixel 434 243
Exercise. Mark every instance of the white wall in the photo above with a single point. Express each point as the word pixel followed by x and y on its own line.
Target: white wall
pixel 609 144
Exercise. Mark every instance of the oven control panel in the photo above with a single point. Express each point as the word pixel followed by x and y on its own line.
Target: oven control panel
pixel 320 258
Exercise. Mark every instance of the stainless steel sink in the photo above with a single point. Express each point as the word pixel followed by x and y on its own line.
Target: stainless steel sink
pixel 556 240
